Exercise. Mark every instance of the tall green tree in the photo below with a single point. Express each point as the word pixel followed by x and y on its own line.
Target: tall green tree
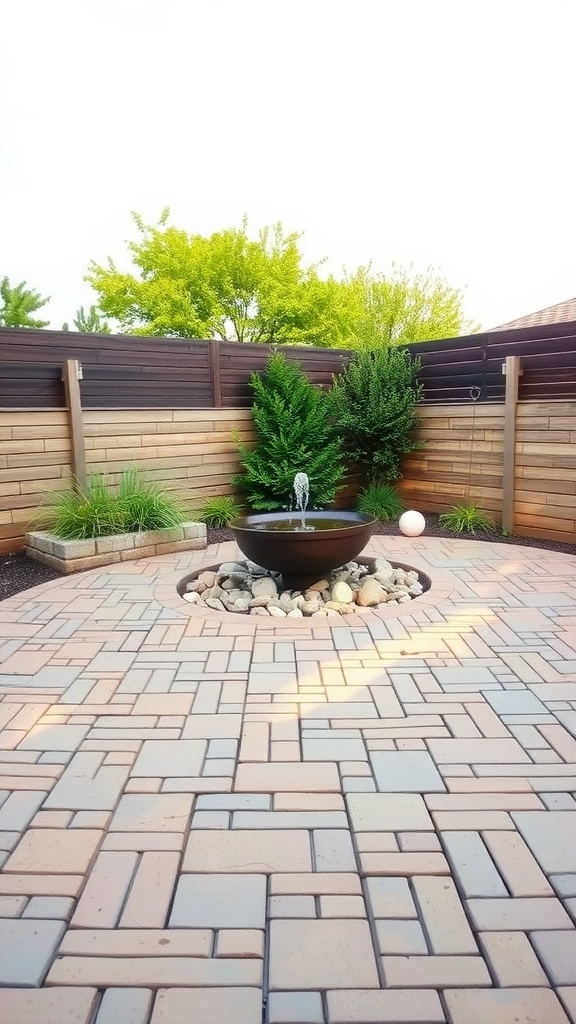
pixel 17 303
pixel 405 307
pixel 89 321
pixel 227 286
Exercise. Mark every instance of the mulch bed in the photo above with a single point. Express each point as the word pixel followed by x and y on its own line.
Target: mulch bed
pixel 17 572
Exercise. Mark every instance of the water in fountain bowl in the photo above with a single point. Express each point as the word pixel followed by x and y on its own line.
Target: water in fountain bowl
pixel 293 525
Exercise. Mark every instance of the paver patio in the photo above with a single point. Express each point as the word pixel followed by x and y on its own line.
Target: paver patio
pixel 228 820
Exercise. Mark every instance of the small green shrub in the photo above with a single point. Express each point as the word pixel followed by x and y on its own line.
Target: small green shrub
pixel 294 435
pixel 381 501
pixel 100 510
pixel 218 512
pixel 374 406
pixel 467 519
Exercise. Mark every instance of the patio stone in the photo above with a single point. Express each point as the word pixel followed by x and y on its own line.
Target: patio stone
pixel 321 954
pixel 512 959
pixel 400 937
pixel 443 914
pixel 504 1006
pixel 254 851
pixel 551 835
pixel 28 948
pixel 56 850
pixel 434 971
pixel 47 1005
pixel 393 812
pixel 128 1005
pixel 170 783
pixel 219 901
pixel 149 813
pixel 557 951
pixel 105 972
pixel 390 898
pixel 208 1006
pixel 406 771
pixel 159 758
pixel 295 1008
pixel 386 1007
pixel 55 737
pixel 473 865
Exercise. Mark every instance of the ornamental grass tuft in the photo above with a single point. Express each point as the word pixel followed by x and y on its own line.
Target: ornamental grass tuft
pixel 101 509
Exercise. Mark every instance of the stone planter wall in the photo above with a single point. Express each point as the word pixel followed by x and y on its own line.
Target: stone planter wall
pixel 73 555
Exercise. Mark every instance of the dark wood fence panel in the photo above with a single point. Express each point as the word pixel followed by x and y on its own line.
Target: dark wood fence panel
pixel 130 372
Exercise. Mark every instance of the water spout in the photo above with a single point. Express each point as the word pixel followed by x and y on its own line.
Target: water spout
pixel 302 492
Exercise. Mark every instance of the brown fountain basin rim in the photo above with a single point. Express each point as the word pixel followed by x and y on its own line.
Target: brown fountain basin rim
pixel 349 521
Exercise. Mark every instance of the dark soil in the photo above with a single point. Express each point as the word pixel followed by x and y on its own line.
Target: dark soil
pixel 17 572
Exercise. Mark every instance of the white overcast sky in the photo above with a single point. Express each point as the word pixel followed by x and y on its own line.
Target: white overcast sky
pixel 432 132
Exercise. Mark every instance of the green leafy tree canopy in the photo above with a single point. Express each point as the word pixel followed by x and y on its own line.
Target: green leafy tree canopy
pixel 89 321
pixel 294 435
pixel 17 303
pixel 226 286
pixel 405 307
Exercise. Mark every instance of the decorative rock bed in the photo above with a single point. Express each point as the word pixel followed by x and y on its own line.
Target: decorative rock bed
pixel 248 589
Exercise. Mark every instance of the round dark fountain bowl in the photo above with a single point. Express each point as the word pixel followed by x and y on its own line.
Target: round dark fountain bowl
pixel 276 541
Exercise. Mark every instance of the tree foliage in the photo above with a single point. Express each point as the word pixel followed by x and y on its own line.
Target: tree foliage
pixel 17 303
pixel 89 321
pixel 374 408
pixel 239 288
pixel 225 286
pixel 294 435
pixel 405 307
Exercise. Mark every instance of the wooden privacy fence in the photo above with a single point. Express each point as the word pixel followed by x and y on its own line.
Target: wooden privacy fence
pixel 95 401
pixel 122 372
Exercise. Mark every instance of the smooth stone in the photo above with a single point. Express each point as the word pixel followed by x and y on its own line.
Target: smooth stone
pixel 342 607
pixel 260 611
pixel 241 605
pixel 370 593
pixel 310 608
pixel 295 614
pixel 260 602
pixel 317 587
pixel 216 604
pixel 207 578
pixel 275 611
pixel 192 586
pixel 214 592
pixel 341 593
pixel 229 568
pixel 191 596
pixel 285 602
pixel 264 587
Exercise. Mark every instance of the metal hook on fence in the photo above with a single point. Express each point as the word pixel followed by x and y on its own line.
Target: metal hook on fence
pixel 475 393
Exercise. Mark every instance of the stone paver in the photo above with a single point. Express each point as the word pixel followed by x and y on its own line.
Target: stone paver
pixel 308 821
pixel 219 901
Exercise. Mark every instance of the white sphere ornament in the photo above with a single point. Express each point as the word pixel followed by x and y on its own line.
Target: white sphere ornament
pixel 412 523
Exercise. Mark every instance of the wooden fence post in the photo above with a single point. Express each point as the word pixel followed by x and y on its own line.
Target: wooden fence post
pixel 215 377
pixel 71 374
pixel 512 371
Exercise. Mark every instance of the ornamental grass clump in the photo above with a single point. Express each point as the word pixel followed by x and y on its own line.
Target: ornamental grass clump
pixel 468 518
pixel 100 509
pixel 381 501
pixel 218 512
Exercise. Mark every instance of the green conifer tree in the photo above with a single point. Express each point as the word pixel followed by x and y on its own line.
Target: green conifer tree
pixel 295 435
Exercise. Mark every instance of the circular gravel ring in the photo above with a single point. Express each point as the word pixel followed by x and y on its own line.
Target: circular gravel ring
pixel 423 578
